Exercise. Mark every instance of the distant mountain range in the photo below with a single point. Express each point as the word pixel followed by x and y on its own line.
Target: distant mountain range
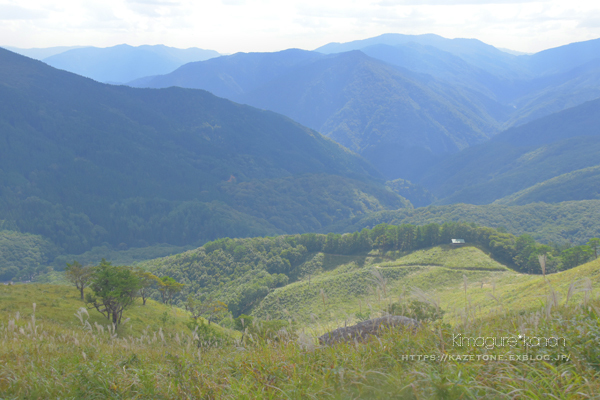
pixel 117 64
pixel 442 121
pixel 403 102
pixel 84 163
pixel 399 120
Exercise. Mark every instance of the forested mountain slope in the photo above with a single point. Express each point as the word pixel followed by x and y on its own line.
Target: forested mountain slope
pixel 520 158
pixel 398 120
pixel 532 85
pixel 404 102
pixel 83 163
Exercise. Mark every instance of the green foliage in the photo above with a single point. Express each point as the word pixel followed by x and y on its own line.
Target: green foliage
pixel 242 272
pixel 115 289
pixel 261 329
pixel 206 307
pixel 79 275
pixel 574 256
pixel 594 244
pixel 571 221
pixel 167 287
pixel 208 335
pixel 146 281
pixel 24 256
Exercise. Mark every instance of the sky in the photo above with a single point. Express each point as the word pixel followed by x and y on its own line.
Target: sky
pixel 230 26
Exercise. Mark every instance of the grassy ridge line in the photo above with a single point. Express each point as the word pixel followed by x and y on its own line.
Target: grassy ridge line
pixel 338 294
pixel 467 257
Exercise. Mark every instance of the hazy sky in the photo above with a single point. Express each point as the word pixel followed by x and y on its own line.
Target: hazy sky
pixel 230 26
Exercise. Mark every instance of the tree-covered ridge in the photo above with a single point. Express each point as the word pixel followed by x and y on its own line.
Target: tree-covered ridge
pixel 571 221
pixel 85 164
pixel 241 272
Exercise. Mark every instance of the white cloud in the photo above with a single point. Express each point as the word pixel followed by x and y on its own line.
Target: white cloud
pixel 387 3
pixel 15 12
pixel 233 2
pixel 269 25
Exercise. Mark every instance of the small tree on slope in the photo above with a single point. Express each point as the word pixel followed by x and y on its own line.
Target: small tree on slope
pixel 115 288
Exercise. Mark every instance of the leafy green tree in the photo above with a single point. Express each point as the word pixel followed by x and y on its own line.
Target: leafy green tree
pixel 79 275
pixel 147 280
pixel 594 243
pixel 115 289
pixel 207 307
pixel 576 256
pixel 168 287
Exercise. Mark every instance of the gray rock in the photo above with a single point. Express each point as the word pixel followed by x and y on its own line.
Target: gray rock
pixel 364 330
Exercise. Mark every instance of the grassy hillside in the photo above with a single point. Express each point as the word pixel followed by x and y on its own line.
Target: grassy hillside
pixel 41 357
pixel 463 282
pixel 365 285
pixel 55 307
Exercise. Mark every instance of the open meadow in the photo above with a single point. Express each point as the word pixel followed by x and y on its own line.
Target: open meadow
pixel 546 339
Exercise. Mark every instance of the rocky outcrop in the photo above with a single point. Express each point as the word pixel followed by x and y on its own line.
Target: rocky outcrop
pixel 366 329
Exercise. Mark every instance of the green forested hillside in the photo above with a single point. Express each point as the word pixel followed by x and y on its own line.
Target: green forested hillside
pixel 521 157
pixel 571 221
pixel 408 102
pixel 85 164
pixel 22 255
pixel 416 194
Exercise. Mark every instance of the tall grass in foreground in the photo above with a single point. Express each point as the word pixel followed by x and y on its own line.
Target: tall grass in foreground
pixel 94 361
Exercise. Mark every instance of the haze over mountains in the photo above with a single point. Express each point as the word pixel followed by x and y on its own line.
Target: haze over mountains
pixel 117 64
pixel 399 120
pixel 403 102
